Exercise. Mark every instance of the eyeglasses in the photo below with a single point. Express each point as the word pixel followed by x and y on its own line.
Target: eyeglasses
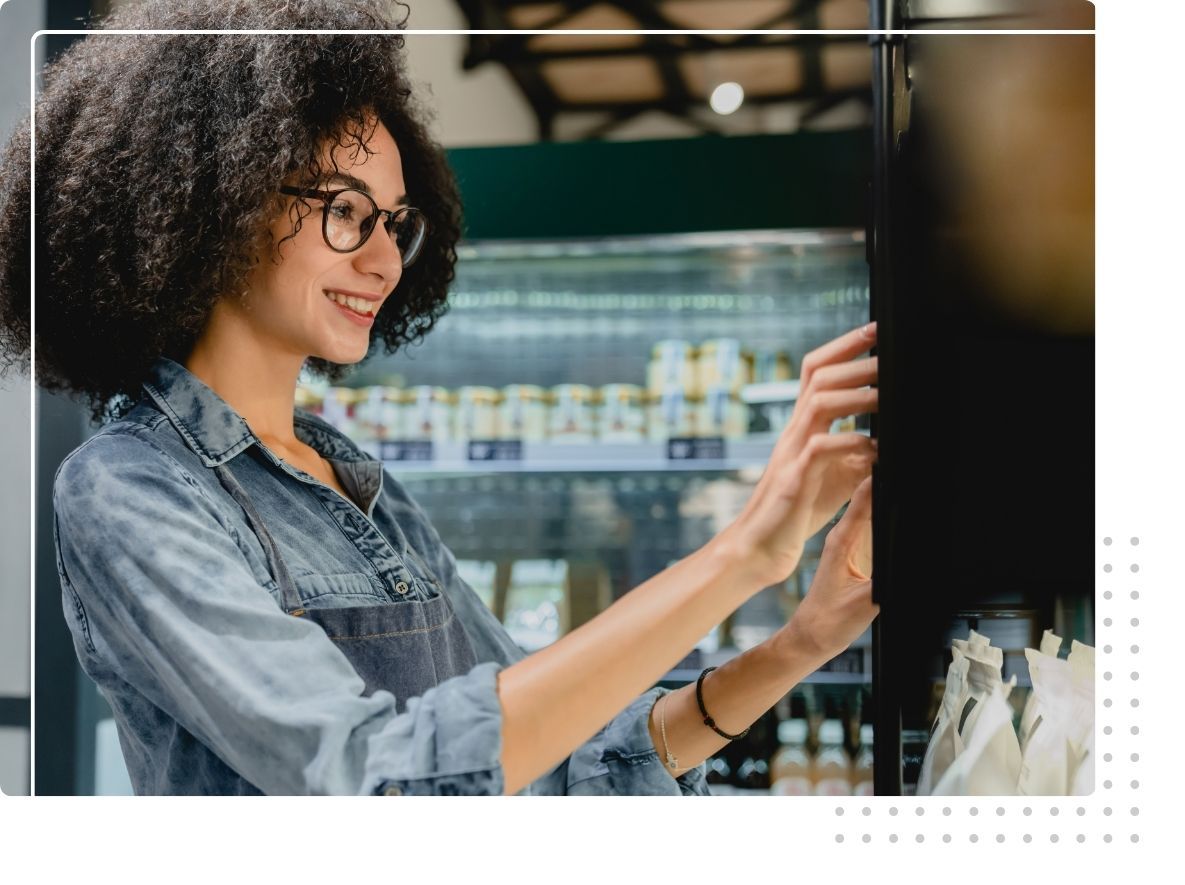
pixel 349 217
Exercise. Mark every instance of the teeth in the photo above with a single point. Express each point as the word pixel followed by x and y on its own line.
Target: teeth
pixel 360 305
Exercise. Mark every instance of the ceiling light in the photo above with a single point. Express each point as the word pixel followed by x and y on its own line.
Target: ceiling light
pixel 726 98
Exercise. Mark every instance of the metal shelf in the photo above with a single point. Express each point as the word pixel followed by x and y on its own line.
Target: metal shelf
pixel 453 457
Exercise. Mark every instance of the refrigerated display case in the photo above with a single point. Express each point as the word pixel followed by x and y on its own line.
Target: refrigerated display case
pixel 552 531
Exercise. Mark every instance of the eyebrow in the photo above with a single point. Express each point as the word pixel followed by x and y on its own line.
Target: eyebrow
pixel 351 181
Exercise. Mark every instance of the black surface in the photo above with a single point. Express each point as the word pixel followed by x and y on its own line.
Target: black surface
pixel 986 478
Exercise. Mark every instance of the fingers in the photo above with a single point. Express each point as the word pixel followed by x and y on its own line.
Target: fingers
pixel 859 373
pixel 839 350
pixel 860 507
pixel 824 449
pixel 853 533
pixel 825 406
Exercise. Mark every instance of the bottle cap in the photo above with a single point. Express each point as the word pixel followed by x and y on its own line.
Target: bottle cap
pixel 792 731
pixel 831 732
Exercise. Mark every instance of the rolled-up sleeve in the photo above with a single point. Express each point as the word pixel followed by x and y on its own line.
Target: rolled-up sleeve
pixel 621 759
pixel 159 591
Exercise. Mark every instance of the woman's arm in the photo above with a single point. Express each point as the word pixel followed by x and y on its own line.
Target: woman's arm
pixel 836 611
pixel 555 699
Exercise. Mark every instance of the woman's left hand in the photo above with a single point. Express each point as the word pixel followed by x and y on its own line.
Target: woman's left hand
pixel 838 607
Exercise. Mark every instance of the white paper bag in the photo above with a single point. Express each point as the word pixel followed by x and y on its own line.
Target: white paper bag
pixel 972 676
pixel 1080 728
pixel 1047 758
pixel 1051 644
pixel 990 761
pixel 945 742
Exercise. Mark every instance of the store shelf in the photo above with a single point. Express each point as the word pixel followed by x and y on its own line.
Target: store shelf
pixel 457 457
pixel 771 392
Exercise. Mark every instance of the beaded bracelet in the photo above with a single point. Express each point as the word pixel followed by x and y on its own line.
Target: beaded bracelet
pixel 708 720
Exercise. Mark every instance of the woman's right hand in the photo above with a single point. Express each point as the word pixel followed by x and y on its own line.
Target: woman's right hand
pixel 811 472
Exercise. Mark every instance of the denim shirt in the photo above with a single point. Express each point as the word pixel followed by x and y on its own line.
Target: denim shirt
pixel 177 617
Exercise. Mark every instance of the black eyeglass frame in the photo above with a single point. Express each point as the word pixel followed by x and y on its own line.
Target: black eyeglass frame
pixel 329 196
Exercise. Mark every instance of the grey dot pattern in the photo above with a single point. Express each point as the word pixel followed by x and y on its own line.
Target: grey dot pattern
pixel 1054 810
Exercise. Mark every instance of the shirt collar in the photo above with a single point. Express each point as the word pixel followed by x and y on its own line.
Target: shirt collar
pixel 216 432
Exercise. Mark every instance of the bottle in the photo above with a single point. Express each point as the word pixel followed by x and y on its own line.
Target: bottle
pixel 791 768
pixel 862 768
pixel 833 768
pixel 753 773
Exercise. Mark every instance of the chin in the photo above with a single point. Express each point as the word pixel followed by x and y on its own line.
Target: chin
pixel 343 356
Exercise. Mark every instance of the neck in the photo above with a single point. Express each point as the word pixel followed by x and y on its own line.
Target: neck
pixel 256 378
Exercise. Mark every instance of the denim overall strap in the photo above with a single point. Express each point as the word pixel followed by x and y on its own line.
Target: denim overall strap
pixel 275 562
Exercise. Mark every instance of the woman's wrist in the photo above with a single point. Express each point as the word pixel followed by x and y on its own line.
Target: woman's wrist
pixel 800 648
pixel 751 564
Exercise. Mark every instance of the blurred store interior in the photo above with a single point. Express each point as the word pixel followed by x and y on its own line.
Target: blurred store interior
pixel 658 229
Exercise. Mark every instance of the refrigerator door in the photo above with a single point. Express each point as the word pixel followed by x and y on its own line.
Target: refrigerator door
pixel 981 254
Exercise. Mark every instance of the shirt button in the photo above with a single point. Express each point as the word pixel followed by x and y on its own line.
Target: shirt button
pixel 392 791
pixel 401 588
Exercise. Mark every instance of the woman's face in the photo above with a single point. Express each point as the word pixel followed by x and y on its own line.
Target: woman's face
pixel 289 304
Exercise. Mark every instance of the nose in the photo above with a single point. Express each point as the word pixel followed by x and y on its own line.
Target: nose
pixel 379 256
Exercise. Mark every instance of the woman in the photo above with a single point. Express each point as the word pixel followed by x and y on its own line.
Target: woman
pixel 265 609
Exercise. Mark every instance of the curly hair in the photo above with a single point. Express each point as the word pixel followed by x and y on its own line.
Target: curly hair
pixel 157 164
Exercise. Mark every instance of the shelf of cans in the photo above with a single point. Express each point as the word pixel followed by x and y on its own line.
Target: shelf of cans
pixel 716 390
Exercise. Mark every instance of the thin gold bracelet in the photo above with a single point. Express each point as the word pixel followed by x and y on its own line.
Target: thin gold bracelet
pixel 672 762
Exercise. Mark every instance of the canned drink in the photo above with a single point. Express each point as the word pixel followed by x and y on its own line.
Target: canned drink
pixel 338 408
pixel 672 415
pixel 310 399
pixel 379 413
pixel 724 363
pixel 721 414
pixel 428 414
pixel 477 413
pixel 573 414
pixel 523 413
pixel 771 365
pixel 623 413
pixel 672 364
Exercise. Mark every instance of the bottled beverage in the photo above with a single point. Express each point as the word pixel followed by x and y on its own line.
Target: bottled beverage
pixel 791 769
pixel 753 773
pixel 862 768
pixel 833 768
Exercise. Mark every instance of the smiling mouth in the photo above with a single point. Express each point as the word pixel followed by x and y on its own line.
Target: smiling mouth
pixel 360 306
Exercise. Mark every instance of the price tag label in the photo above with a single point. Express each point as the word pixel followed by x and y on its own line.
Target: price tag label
pixel 495 450
pixel 695 449
pixel 405 450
